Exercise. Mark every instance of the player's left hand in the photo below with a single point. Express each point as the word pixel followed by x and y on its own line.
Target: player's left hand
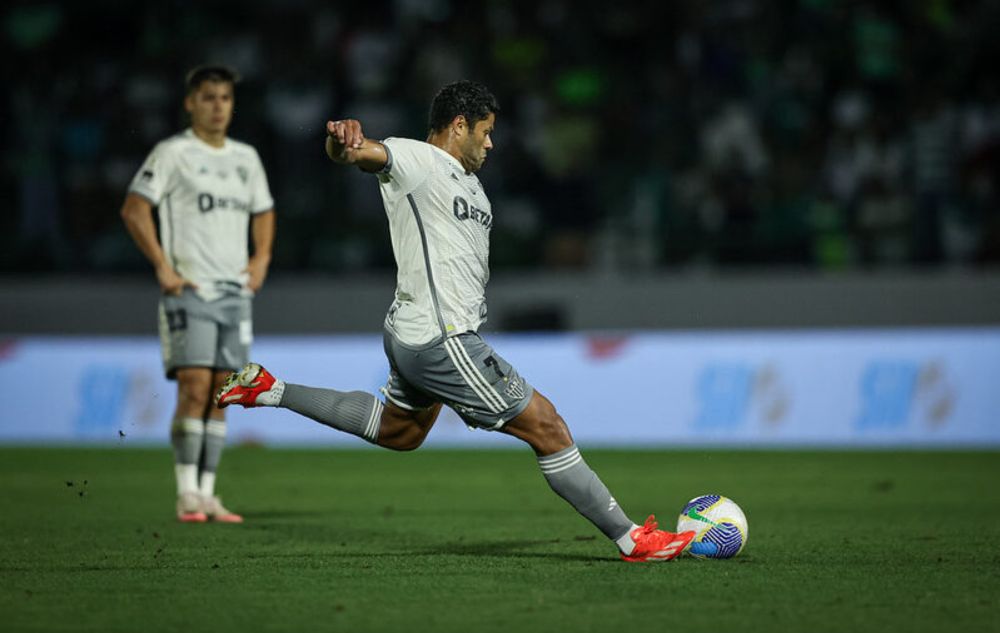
pixel 257 269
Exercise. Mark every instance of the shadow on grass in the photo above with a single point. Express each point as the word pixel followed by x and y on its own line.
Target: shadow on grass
pixel 512 549
pixel 266 515
pixel 376 542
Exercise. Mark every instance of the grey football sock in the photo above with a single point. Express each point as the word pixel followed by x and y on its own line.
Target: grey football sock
pixel 573 480
pixel 354 412
pixel 187 435
pixel 215 440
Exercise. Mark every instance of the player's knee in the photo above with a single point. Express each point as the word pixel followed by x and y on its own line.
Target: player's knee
pixel 403 442
pixel 405 430
pixel 408 438
pixel 194 392
pixel 554 429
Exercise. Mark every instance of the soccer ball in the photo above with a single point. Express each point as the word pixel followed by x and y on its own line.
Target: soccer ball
pixel 719 524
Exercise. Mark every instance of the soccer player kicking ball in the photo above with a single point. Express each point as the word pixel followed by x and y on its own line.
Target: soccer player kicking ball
pixel 439 222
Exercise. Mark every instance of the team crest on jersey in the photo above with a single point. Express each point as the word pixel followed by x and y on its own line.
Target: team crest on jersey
pixel 241 171
pixel 515 388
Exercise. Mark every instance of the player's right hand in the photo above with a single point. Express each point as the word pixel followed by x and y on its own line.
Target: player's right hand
pixel 346 133
pixel 170 282
pixel 344 138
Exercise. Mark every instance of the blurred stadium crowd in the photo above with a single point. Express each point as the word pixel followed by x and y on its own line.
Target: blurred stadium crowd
pixel 634 136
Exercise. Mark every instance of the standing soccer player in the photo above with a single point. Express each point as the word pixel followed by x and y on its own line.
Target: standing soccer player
pixel 439 221
pixel 208 188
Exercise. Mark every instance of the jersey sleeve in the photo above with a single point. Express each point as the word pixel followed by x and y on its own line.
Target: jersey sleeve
pixel 156 177
pixel 409 163
pixel 261 192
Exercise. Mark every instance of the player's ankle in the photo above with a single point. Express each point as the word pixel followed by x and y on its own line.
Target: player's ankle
pixel 271 397
pixel 625 543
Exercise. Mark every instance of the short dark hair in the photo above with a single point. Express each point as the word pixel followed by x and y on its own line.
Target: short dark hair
pixel 210 72
pixel 467 98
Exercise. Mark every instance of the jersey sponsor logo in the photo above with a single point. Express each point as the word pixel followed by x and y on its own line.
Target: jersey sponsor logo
pixel 242 172
pixel 207 202
pixel 465 211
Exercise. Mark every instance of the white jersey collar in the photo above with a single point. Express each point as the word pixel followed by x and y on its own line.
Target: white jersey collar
pixel 189 133
pixel 454 160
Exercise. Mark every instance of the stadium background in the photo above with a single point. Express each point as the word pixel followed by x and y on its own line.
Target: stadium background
pixel 809 167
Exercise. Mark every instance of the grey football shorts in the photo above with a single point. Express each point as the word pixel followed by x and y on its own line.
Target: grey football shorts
pixel 198 333
pixel 462 372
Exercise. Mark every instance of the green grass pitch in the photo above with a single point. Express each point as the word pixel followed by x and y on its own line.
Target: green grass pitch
pixel 473 541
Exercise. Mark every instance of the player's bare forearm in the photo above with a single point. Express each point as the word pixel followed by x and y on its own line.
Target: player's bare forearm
pixel 262 234
pixel 262 229
pixel 347 145
pixel 138 216
pixel 137 213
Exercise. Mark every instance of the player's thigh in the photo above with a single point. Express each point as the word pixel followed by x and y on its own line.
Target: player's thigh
pixel 188 334
pixel 398 390
pixel 235 333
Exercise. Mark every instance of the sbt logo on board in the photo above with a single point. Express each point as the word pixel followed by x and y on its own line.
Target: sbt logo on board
pixel 728 393
pixel 892 391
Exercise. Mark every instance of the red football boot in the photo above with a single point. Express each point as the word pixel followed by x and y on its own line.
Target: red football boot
pixel 244 387
pixel 652 544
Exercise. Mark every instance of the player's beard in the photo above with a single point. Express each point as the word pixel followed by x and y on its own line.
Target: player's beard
pixel 475 157
pixel 476 162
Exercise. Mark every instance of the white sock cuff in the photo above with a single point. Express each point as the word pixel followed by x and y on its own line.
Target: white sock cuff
pixel 625 542
pixel 374 422
pixel 191 426
pixel 561 460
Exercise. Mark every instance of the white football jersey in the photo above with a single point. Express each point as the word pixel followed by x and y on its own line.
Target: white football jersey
pixel 439 221
pixel 205 197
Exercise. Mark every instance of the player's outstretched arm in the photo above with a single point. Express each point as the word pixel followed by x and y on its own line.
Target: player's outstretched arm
pixel 346 144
